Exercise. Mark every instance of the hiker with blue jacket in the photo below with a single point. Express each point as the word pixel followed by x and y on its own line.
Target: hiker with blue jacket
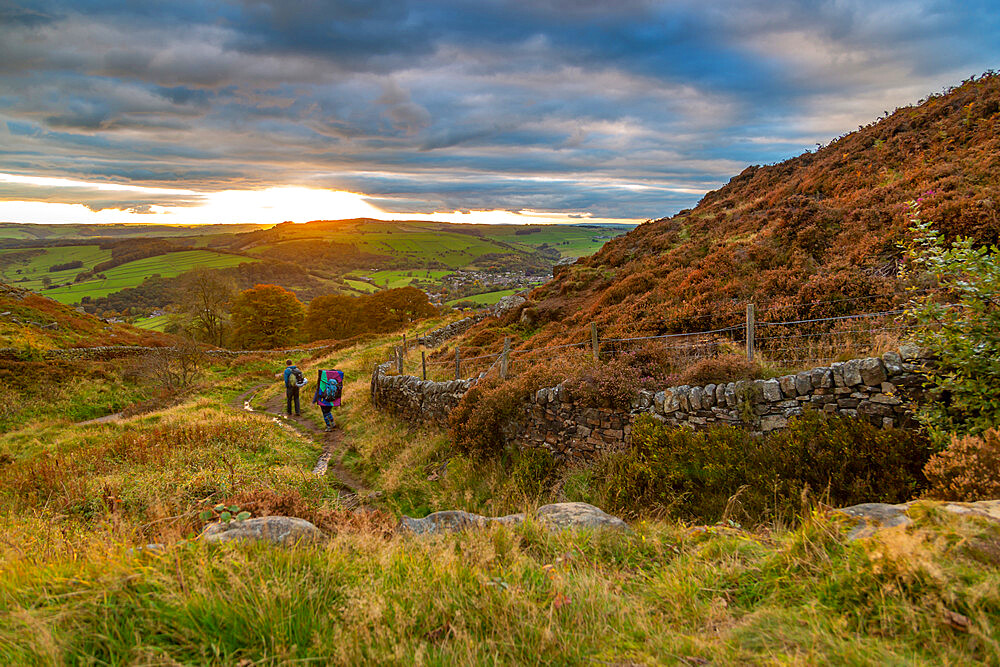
pixel 329 386
pixel 294 380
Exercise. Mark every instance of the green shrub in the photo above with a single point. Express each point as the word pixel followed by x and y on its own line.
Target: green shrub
pixel 961 328
pixel 695 474
pixel 967 470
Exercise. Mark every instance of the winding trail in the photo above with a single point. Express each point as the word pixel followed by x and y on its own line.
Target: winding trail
pixel 333 443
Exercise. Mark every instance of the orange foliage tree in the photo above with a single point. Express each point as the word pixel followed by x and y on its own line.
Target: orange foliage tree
pixel 266 317
pixel 340 316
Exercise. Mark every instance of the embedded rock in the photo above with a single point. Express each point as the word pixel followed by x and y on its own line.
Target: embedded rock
pixel 451 521
pixel 561 516
pixel 558 516
pixel 283 530
pixel 872 517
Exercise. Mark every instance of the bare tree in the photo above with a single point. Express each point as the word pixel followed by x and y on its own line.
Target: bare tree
pixel 205 297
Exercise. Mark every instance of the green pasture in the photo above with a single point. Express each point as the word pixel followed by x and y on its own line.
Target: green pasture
pixel 37 261
pixel 569 240
pixel 394 279
pixel 134 273
pixel 453 250
pixel 487 299
pixel 361 286
pixel 157 323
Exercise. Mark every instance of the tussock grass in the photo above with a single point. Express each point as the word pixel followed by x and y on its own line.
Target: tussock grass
pixel 663 594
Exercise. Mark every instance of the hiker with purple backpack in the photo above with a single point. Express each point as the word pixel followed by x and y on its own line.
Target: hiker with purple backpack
pixel 329 387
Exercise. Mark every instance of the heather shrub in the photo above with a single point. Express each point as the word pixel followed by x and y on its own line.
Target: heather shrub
pixel 494 408
pixel 705 475
pixel 726 368
pixel 967 470
pixel 616 382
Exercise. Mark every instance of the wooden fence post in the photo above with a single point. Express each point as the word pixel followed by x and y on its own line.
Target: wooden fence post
pixel 404 344
pixel 505 359
pixel 751 331
pixel 595 341
pixel 423 362
pixel 399 360
pixel 458 364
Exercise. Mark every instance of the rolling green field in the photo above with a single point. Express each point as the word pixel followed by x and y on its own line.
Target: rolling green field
pixel 487 299
pixel 133 273
pixel 14 230
pixel 361 286
pixel 451 249
pixel 157 323
pixel 569 240
pixel 34 263
pixel 394 279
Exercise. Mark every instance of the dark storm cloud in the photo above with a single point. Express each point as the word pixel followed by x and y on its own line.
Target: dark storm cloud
pixel 627 108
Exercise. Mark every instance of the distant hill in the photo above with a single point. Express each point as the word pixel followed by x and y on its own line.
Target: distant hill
pixel 132 268
pixel 34 232
pixel 822 226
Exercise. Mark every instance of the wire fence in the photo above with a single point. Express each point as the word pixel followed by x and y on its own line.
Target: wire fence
pixel 791 343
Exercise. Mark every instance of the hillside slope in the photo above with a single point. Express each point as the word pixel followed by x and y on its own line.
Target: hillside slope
pixel 33 322
pixel 822 226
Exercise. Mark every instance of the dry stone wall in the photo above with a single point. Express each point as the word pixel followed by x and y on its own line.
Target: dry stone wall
pixel 416 400
pixel 877 389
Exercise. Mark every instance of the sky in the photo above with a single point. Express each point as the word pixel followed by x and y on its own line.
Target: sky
pixel 227 111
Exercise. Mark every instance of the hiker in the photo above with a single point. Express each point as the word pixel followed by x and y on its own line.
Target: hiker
pixel 329 386
pixel 294 380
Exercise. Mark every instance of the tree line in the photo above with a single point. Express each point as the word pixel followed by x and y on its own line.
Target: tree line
pixel 268 316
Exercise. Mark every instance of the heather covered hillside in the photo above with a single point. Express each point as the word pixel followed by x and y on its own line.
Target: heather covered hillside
pixel 31 322
pixel 823 226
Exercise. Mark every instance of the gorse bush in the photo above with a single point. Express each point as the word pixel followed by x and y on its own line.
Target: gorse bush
pixel 968 469
pixel 694 474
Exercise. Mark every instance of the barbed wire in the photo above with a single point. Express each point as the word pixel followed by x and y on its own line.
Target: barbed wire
pixel 683 344
pixel 838 318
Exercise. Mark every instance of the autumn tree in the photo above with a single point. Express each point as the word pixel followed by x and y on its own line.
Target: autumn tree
pixel 391 309
pixel 332 316
pixel 340 316
pixel 266 317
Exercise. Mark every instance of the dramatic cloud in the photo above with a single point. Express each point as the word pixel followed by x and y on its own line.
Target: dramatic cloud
pixel 626 109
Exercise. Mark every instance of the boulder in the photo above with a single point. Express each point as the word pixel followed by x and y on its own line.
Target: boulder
pixel 873 516
pixel 561 516
pixel 283 530
pixel 872 372
pixel 508 303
